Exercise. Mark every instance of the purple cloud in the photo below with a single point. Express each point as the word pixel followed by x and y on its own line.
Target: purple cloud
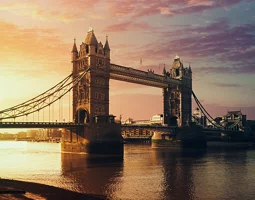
pixel 143 8
pixel 227 85
pixel 232 47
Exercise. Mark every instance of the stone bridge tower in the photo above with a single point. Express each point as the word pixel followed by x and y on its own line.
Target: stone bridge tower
pixel 91 95
pixel 100 134
pixel 177 99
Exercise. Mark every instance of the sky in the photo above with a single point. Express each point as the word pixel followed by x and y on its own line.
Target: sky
pixel 217 38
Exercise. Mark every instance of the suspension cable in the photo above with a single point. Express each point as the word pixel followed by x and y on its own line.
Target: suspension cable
pixel 33 99
pixel 39 104
pixel 198 102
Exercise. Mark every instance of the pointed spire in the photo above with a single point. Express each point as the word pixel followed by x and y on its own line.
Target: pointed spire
pixel 164 70
pixel 106 46
pixel 176 57
pixel 74 50
pixel 90 29
pixel 91 38
pixel 190 69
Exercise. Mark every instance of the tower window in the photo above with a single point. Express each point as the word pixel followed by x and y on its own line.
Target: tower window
pixel 177 72
pixel 87 48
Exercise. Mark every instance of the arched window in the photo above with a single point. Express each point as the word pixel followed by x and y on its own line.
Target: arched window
pixel 102 109
pixel 87 48
pixel 172 105
pixel 177 72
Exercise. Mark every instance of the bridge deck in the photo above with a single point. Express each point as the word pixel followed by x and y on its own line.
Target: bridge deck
pixel 40 125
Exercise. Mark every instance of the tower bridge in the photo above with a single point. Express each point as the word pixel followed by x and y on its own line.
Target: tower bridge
pixel 89 83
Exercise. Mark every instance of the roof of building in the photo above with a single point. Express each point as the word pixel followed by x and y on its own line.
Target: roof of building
pixel 74 47
pixel 234 112
pixel 177 63
pixel 106 46
pixel 176 57
pixel 91 38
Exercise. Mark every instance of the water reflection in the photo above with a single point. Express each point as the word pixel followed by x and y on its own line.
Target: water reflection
pixel 177 166
pixel 92 174
pixel 143 173
pixel 230 172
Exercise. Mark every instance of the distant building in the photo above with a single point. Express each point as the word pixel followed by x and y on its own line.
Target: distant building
pixel 32 133
pixel 199 118
pixel 157 119
pixel 21 135
pixel 251 125
pixel 129 121
pixel 54 133
pixel 234 120
pixel 197 113
pixel 7 136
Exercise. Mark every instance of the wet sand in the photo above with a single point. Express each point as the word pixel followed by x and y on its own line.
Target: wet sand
pixel 13 189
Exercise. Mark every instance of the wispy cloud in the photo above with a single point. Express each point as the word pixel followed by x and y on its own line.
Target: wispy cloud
pixel 170 8
pixel 59 10
pixel 235 85
pixel 232 45
pixel 32 49
pixel 128 26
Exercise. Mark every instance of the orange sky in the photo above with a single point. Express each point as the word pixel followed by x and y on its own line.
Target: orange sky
pixel 37 37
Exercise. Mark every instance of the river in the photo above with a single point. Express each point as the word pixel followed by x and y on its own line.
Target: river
pixel 143 173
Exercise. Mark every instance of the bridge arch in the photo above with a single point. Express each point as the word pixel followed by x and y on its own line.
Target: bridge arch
pixel 81 116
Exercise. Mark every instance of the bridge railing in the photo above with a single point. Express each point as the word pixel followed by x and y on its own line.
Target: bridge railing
pixel 65 123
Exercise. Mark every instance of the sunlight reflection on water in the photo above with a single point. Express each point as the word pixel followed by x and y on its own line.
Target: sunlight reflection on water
pixel 143 173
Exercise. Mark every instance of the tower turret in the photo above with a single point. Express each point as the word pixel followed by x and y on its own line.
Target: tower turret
pixel 74 51
pixel 107 48
pixel 177 68
pixel 164 71
pixel 91 42
pixel 189 69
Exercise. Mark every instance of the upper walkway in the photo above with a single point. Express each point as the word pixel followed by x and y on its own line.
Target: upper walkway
pixel 121 73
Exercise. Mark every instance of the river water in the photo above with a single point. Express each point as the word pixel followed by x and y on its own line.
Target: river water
pixel 144 172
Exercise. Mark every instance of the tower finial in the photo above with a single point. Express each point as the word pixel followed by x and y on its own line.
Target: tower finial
pixel 90 29
pixel 74 46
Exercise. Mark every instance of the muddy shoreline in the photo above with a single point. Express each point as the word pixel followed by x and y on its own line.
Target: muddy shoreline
pixel 14 189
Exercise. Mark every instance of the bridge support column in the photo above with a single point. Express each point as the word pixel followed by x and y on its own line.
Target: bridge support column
pixel 94 139
pixel 166 113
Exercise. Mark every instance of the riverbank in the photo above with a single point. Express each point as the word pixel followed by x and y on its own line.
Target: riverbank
pixel 13 189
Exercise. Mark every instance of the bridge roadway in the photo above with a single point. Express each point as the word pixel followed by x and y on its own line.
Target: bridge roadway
pixel 80 125
pixel 74 125
pixel 41 125
pixel 147 126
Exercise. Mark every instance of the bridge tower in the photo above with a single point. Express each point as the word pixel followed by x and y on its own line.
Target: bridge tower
pixel 91 95
pixel 177 98
pixel 91 101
